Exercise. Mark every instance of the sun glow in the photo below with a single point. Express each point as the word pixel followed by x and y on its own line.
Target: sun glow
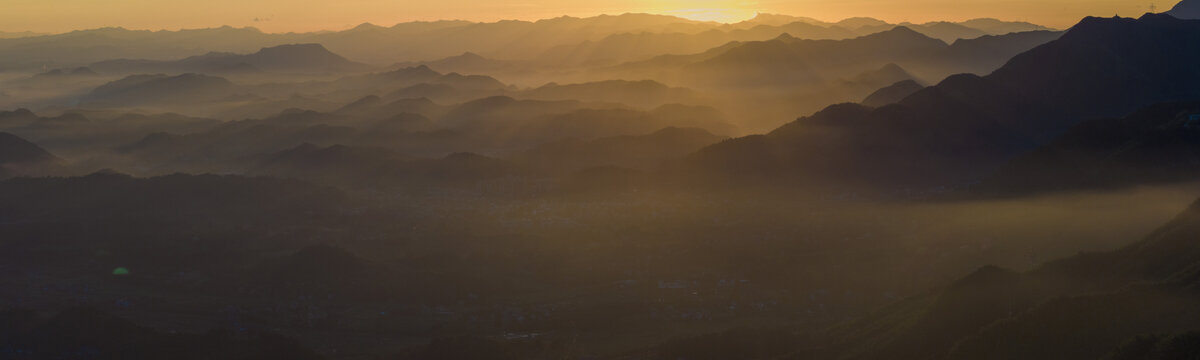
pixel 714 14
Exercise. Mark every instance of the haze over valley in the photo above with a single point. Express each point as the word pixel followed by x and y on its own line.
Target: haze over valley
pixel 702 185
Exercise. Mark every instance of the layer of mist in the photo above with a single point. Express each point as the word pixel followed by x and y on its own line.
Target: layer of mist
pixel 612 187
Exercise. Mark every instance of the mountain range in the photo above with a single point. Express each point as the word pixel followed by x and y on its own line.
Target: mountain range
pixel 420 41
pixel 788 59
pixel 467 63
pixel 959 129
pixel 413 128
pixel 627 47
pixel 296 58
pixel 645 93
pixel 586 188
pixel 893 93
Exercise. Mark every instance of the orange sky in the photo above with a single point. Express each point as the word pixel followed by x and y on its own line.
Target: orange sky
pixel 310 15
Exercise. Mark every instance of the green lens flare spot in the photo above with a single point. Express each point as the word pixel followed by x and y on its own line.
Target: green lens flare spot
pixel 120 271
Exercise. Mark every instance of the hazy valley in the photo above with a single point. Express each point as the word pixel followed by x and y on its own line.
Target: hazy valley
pixel 612 187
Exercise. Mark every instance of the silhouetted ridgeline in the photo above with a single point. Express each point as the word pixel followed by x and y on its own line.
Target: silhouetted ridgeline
pixel 892 93
pixel 788 59
pixel 958 130
pixel 1186 9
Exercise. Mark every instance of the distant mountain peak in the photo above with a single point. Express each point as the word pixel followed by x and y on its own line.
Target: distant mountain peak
pixel 157 88
pixel 766 16
pixel 893 93
pixel 297 48
pixel 997 26
pixel 770 19
pixel 367 26
pixel 419 71
pixel 902 29
pixel 903 34
pixel 892 67
pixel 858 22
pixel 308 56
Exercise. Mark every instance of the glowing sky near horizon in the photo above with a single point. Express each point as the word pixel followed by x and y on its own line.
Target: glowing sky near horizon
pixel 312 15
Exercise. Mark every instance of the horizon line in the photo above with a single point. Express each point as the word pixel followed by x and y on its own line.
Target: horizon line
pixel 365 23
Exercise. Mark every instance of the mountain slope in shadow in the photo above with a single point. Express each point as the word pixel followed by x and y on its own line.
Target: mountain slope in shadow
pixel 1186 9
pixel 788 58
pixel 21 157
pixel 1082 307
pixel 1157 144
pixel 960 129
pixel 892 94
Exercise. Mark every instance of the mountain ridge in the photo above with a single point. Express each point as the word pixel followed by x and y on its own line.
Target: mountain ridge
pixel 303 58
pixel 955 131
pixel 1186 9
